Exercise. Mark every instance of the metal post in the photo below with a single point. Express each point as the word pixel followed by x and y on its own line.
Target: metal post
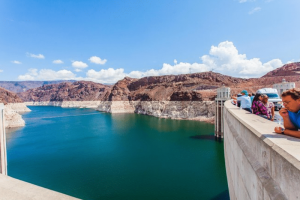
pixel 3 157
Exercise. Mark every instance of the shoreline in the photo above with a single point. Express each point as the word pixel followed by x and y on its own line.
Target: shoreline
pixel 178 110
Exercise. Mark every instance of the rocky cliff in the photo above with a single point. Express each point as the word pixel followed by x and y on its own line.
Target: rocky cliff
pixel 77 91
pixel 22 86
pixel 13 105
pixel 291 69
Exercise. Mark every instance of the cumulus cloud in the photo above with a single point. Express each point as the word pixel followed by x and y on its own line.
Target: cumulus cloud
pixel 57 62
pixel 97 60
pixel 109 75
pixel 226 59
pixel 48 74
pixel 39 56
pixel 79 64
pixel 177 68
pixel 16 62
pixel 223 58
pixel 254 10
pixel 293 60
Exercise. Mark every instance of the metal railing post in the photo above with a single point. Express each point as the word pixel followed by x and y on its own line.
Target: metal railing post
pixel 3 157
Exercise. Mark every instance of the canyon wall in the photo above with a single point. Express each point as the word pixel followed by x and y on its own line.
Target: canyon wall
pixel 191 110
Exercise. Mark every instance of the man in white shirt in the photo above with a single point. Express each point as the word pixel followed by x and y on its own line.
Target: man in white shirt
pixel 245 101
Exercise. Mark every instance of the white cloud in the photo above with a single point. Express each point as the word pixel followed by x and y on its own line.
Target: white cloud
pixel 223 58
pixel 58 62
pixel 293 60
pixel 79 64
pixel 1 70
pixel 109 75
pixel 48 74
pixel 244 1
pixel 16 62
pixel 97 60
pixel 177 68
pixel 254 10
pixel 39 56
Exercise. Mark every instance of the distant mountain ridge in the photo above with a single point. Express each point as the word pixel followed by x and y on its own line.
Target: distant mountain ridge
pixel 67 91
pixel 290 69
pixel 22 86
pixel 9 97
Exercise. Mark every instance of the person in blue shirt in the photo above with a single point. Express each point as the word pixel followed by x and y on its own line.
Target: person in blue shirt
pixel 245 101
pixel 290 113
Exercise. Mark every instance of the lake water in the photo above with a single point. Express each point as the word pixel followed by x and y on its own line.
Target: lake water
pixel 92 155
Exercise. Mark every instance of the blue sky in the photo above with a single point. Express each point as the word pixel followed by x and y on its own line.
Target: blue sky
pixel 105 40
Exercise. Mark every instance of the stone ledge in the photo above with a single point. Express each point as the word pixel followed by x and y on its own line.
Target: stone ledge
pixel 286 146
pixel 11 188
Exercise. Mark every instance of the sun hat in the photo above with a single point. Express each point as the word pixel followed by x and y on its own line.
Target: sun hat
pixel 245 92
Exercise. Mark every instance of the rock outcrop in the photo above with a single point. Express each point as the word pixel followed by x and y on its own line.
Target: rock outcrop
pixel 22 86
pixel 13 105
pixel 77 91
pixel 291 69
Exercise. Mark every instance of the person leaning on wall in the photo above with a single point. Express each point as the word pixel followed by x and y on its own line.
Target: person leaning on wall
pixel 290 113
pixel 245 101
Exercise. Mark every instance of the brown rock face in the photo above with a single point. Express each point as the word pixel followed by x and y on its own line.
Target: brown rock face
pixel 291 69
pixel 22 86
pixel 120 91
pixel 185 87
pixel 9 97
pixel 186 96
pixel 77 91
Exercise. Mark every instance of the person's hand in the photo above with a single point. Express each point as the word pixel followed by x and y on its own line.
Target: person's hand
pixel 278 129
pixel 272 119
pixel 283 112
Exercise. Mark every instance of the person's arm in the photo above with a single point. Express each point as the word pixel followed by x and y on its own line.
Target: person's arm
pixel 273 113
pixel 293 133
pixel 290 129
pixel 287 123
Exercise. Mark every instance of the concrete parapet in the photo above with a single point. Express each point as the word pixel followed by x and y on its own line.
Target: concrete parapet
pixel 260 164
pixel 15 189
pixel 3 159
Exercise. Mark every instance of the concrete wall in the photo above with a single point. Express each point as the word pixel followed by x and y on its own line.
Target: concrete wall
pixel 14 189
pixel 259 163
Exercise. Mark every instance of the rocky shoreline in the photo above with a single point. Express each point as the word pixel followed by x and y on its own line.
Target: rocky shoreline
pixel 12 114
pixel 187 110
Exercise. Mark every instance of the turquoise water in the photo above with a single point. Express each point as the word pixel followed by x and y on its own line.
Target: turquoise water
pixel 93 155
